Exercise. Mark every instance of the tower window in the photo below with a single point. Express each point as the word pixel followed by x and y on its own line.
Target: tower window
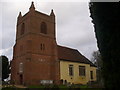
pixel 43 28
pixel 22 29
pixel 42 46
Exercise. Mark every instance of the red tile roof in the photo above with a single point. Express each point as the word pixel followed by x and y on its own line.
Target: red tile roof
pixel 73 55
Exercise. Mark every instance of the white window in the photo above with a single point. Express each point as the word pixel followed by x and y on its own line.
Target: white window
pixel 21 67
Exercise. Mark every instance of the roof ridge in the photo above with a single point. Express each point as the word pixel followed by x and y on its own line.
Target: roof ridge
pixel 67 47
pixel 70 54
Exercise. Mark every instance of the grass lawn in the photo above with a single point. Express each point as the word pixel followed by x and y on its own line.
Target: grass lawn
pixel 60 86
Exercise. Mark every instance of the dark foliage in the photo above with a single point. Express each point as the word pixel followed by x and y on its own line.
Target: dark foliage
pixel 97 60
pixel 5 67
pixel 106 20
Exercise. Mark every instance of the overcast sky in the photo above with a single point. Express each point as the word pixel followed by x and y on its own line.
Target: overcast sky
pixel 73 24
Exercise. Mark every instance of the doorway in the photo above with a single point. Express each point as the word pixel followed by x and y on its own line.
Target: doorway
pixel 21 79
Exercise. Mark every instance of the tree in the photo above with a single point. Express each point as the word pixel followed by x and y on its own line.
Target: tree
pixel 97 60
pixel 5 67
pixel 106 19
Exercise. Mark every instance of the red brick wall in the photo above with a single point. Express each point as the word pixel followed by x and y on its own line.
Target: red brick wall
pixel 37 64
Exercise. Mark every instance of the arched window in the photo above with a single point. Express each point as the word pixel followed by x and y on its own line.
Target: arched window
pixel 23 28
pixel 43 28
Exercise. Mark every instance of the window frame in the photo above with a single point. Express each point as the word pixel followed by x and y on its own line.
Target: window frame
pixel 43 28
pixel 71 70
pixel 42 46
pixel 82 70
pixel 91 75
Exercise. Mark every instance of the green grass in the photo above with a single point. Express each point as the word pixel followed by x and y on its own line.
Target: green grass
pixel 48 86
pixel 60 87
pixel 38 86
pixel 84 86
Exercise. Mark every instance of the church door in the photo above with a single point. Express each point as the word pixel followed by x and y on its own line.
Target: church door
pixel 21 79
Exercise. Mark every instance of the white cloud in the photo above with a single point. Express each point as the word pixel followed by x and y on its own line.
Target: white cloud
pixel 73 25
pixel 7 52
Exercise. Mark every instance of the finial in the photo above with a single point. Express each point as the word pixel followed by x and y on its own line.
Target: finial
pixel 20 15
pixel 32 7
pixel 52 13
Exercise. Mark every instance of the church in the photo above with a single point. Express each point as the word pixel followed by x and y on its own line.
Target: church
pixel 37 59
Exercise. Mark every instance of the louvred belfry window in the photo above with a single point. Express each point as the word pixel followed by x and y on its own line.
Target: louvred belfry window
pixel 43 28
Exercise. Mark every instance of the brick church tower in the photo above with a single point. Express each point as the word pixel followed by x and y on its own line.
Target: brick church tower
pixel 35 59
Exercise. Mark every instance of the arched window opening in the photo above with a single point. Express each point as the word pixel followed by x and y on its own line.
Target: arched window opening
pixel 43 28
pixel 23 29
